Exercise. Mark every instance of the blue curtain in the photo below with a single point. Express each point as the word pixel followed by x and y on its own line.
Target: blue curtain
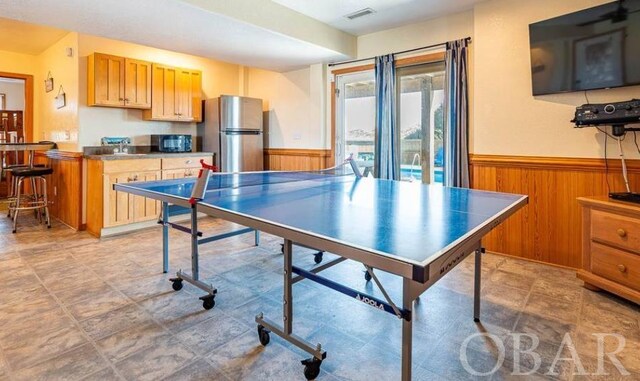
pixel 386 164
pixel 456 164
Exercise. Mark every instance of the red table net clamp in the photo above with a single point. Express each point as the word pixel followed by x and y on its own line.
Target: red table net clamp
pixel 209 166
pixel 200 187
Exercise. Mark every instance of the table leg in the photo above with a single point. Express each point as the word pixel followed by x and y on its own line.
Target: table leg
pixel 287 303
pixel 165 237
pixel 257 237
pixel 477 285
pixel 194 244
pixel 407 330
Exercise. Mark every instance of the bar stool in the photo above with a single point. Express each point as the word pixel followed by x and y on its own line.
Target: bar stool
pixel 13 183
pixel 37 200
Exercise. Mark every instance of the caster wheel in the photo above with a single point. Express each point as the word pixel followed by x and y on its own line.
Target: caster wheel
pixel 367 276
pixel 13 231
pixel 176 284
pixel 263 335
pixel 311 368
pixel 208 302
pixel 317 258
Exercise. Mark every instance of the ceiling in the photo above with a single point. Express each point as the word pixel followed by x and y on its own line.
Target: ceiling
pixel 27 38
pixel 278 35
pixel 180 26
pixel 388 13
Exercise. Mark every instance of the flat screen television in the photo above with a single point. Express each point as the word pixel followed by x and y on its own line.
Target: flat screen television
pixel 595 48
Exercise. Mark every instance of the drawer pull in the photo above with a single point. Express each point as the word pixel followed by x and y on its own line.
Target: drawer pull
pixel 622 268
pixel 622 233
pixel 188 161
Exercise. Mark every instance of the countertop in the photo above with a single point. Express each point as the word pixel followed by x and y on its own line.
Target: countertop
pixel 156 155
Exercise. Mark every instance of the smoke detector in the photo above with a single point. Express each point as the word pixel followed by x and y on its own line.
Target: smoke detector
pixel 360 13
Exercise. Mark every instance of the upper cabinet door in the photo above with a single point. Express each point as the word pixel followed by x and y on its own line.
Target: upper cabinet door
pixel 105 80
pixel 195 95
pixel 176 94
pixel 118 82
pixel 137 80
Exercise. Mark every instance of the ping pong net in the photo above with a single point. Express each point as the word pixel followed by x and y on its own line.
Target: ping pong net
pixel 209 180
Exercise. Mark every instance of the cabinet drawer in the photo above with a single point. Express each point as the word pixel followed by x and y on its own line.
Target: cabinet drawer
pixel 134 165
pixel 614 229
pixel 184 162
pixel 616 265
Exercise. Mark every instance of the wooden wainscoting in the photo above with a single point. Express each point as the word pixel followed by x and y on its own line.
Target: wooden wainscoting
pixel 289 159
pixel 549 228
pixel 64 186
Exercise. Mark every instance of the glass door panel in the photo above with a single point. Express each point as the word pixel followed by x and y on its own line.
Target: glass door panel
pixel 356 118
pixel 420 119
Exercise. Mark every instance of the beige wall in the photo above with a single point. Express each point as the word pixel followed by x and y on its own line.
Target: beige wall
pixel 14 94
pixel 508 120
pixel 294 105
pixel 58 124
pixel 96 122
pixel 452 27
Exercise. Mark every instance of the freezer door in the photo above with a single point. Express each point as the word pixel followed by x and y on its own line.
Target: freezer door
pixel 240 113
pixel 241 151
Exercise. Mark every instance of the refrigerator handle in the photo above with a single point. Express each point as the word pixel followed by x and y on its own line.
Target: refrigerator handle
pixel 241 132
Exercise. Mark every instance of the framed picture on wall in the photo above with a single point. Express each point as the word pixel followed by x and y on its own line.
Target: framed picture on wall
pixel 48 83
pixel 598 60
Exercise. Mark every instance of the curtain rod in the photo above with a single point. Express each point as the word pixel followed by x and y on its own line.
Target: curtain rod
pixel 402 52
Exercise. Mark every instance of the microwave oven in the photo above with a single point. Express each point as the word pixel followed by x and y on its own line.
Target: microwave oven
pixel 171 143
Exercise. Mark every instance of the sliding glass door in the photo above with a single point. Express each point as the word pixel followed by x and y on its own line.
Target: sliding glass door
pixel 356 117
pixel 420 121
pixel 419 113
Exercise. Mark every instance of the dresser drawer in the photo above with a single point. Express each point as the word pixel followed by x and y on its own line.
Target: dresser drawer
pixel 185 162
pixel 616 265
pixel 615 229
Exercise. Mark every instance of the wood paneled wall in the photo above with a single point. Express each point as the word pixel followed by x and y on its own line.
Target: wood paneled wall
pixel 288 159
pixel 549 228
pixel 64 186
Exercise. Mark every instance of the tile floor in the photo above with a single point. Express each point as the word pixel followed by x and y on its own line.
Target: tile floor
pixel 77 308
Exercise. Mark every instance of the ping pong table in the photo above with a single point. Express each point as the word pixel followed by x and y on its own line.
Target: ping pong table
pixel 415 231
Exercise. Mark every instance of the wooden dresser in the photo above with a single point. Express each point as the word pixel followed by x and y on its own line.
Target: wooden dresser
pixel 611 246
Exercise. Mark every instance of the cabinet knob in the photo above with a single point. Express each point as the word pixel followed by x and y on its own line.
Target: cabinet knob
pixel 188 161
pixel 622 233
pixel 622 268
pixel 126 99
pixel 121 99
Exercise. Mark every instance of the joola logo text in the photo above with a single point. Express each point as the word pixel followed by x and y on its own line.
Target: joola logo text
pixel 370 302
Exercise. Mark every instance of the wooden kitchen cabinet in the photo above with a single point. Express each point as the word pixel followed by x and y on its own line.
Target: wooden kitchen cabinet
pixel 109 211
pixel 176 94
pixel 107 208
pixel 115 81
pixel 611 246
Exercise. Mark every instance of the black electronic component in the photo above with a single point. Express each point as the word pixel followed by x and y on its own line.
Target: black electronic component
pixel 592 114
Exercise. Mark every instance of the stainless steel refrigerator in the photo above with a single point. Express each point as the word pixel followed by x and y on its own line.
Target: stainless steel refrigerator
pixel 232 129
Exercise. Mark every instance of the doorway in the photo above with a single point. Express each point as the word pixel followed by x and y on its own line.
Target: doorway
pixel 16 119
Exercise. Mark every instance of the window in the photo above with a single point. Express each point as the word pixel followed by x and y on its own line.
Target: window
pixel 420 121
pixel 356 117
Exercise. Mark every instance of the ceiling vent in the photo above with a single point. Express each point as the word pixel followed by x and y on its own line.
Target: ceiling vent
pixel 360 13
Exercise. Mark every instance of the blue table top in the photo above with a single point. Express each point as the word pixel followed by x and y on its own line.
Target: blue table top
pixel 412 222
